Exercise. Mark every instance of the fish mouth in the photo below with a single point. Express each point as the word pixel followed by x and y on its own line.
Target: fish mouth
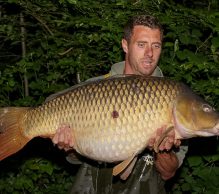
pixel 210 132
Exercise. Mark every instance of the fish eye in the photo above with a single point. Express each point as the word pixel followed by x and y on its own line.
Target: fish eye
pixel 206 108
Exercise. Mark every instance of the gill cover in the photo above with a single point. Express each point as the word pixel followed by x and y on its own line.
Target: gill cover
pixel 194 116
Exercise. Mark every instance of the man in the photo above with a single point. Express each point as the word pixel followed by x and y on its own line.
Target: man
pixel 142 44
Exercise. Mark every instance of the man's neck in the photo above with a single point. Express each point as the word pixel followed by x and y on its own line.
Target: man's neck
pixel 128 69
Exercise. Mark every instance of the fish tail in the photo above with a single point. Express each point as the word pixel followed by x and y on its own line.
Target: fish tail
pixel 11 131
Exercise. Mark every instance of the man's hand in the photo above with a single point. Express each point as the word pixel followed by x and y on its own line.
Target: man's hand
pixel 167 143
pixel 166 163
pixel 64 138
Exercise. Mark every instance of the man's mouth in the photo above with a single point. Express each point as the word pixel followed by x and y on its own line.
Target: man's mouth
pixel 147 63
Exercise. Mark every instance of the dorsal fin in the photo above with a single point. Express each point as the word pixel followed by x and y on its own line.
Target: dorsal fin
pixel 88 82
pixel 63 92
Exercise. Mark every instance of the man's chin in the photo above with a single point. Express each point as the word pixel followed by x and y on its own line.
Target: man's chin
pixel 147 71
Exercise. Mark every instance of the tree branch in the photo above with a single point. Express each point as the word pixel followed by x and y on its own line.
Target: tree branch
pixel 42 23
pixel 23 46
pixel 65 52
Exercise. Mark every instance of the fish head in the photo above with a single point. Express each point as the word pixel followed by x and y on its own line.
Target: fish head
pixel 193 116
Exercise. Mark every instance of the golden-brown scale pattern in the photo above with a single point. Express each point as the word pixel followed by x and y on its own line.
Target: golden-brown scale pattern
pixel 111 119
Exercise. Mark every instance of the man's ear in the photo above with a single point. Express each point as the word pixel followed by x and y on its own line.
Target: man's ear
pixel 125 45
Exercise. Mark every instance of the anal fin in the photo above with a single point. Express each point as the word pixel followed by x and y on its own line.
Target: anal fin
pixel 125 174
pixel 123 165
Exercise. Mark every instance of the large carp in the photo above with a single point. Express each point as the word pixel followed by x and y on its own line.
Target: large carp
pixel 111 119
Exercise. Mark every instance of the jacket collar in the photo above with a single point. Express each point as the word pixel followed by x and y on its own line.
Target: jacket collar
pixel 118 68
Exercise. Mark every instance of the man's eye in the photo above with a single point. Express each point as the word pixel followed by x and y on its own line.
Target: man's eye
pixel 141 45
pixel 157 46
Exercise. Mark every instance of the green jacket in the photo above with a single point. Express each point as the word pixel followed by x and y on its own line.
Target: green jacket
pixel 118 68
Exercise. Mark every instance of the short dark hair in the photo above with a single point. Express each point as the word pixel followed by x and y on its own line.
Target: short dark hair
pixel 144 20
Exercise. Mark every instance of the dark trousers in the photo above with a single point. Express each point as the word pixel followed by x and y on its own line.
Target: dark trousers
pixel 98 179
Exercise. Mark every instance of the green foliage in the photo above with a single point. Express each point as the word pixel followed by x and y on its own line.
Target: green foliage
pixel 39 168
pixel 67 37
pixel 200 172
pixel 36 175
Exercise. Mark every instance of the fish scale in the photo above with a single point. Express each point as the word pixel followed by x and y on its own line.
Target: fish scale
pixel 113 126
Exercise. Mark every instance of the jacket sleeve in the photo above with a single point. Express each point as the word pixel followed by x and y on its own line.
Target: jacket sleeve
pixel 181 152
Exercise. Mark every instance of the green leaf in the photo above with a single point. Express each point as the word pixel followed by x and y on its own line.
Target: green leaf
pixel 186 187
pixel 212 158
pixel 215 42
pixel 194 161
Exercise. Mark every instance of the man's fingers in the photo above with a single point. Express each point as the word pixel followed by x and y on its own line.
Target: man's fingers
pixel 162 145
pixel 177 143
pixel 66 137
pixel 63 138
pixel 71 143
pixel 167 143
pixel 54 139
pixel 151 143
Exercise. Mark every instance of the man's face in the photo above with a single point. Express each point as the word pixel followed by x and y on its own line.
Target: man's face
pixel 143 50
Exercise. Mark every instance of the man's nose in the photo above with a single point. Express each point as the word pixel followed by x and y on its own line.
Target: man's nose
pixel 148 51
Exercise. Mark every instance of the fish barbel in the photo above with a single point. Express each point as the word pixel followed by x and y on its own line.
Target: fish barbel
pixel 112 119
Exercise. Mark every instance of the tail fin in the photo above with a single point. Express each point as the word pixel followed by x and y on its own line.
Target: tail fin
pixel 11 137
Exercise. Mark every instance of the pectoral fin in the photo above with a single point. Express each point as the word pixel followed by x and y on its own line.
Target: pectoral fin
pixel 123 165
pixel 162 137
pixel 74 158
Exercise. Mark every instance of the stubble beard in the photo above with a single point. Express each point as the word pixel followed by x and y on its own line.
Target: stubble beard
pixel 146 69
